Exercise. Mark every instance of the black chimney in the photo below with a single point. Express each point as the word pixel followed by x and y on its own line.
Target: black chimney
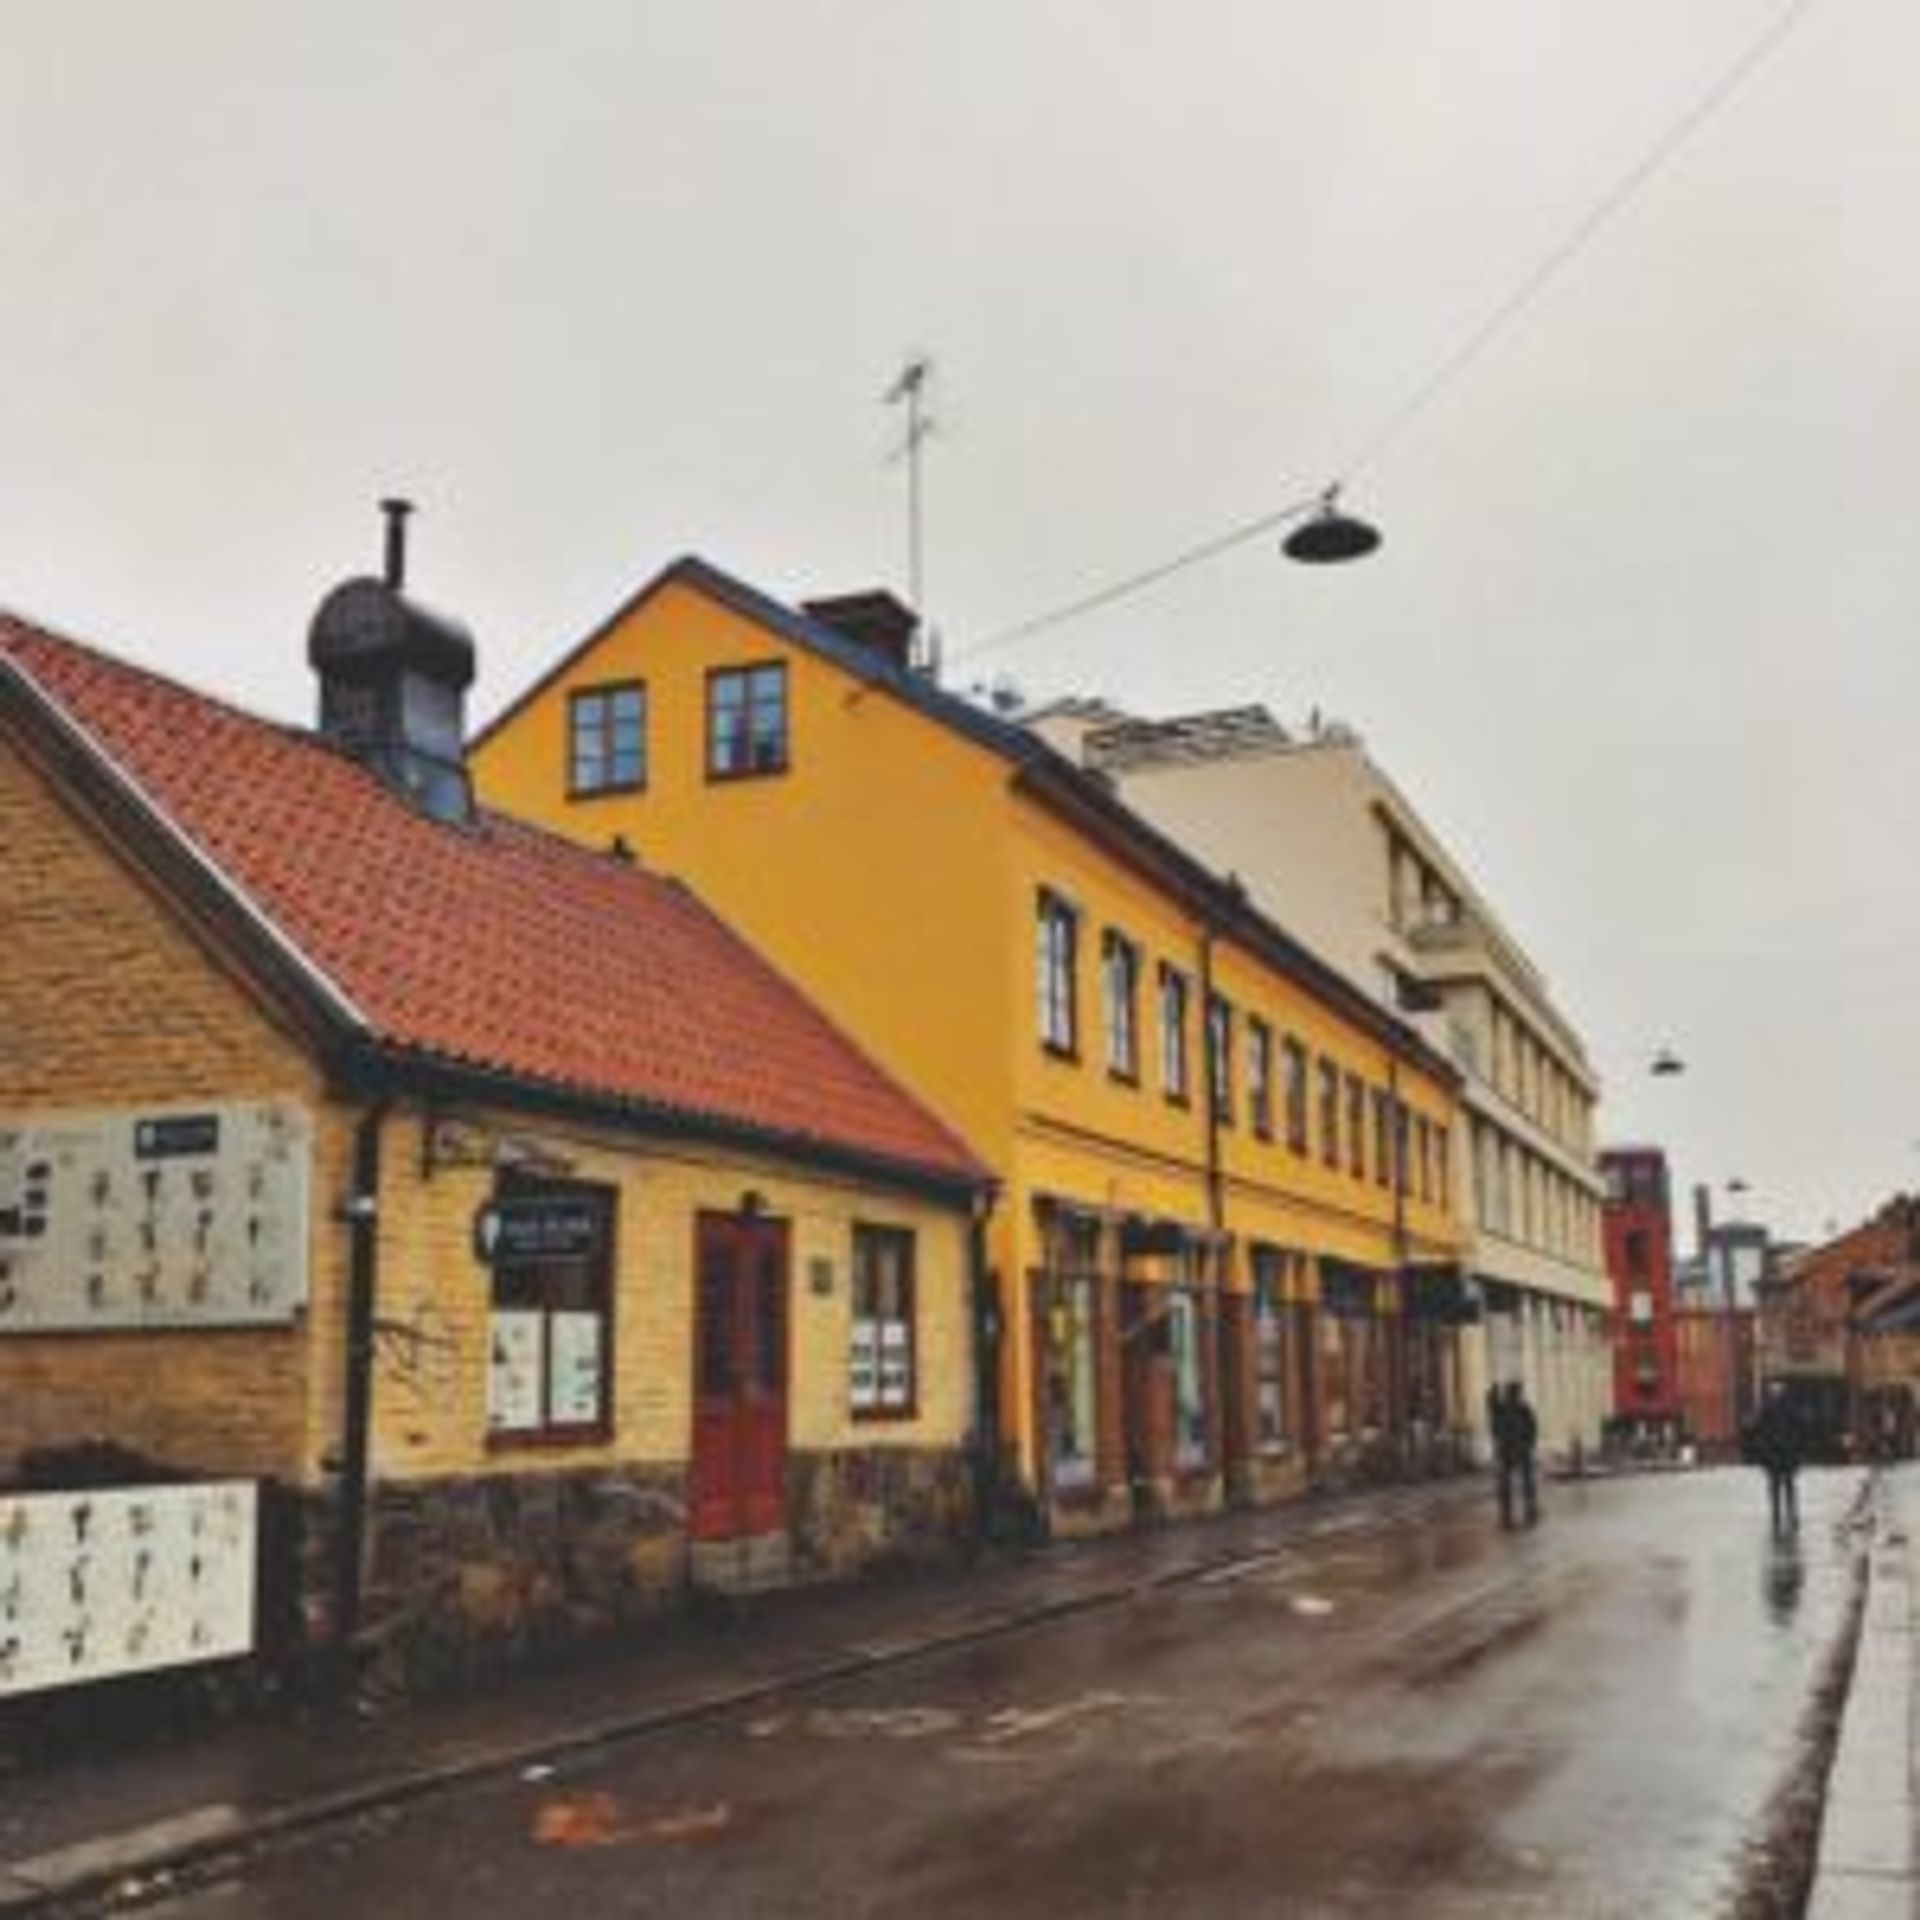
pixel 393 681
pixel 874 620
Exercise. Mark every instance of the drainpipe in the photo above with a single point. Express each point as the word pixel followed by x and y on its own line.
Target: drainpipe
pixel 1216 1200
pixel 1401 1131
pixel 363 1225
pixel 989 1330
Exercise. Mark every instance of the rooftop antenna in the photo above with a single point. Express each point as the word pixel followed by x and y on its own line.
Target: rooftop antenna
pixel 909 389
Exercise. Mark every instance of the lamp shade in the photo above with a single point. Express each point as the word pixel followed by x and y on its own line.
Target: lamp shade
pixel 1330 536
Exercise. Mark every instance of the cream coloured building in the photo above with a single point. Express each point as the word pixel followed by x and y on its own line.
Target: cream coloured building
pixel 1329 846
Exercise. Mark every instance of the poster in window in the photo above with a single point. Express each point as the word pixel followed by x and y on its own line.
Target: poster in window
pixel 863 1366
pixel 513 1370
pixel 896 1365
pixel 574 1370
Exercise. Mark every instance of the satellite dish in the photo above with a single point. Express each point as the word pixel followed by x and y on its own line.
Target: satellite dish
pixel 1330 536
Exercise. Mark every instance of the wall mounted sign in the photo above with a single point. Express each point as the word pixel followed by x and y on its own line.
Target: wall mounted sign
pixel 519 1229
pixel 130 1218
pixel 124 1580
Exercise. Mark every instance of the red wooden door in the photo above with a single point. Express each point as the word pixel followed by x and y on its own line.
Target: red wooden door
pixel 740 1378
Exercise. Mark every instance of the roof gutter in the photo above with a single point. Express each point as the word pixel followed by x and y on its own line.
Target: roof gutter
pixel 381 1069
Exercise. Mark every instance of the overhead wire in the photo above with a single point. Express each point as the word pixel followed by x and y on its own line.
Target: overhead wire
pixel 1627 188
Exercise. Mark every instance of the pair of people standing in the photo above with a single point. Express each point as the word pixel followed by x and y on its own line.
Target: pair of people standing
pixel 1516 1438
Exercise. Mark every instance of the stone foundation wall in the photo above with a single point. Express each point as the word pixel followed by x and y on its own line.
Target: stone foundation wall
pixel 466 1575
pixel 1097 1510
pixel 1262 1479
pixel 853 1508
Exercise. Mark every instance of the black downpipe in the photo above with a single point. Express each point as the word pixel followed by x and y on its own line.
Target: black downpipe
pixel 363 1220
pixel 1401 1373
pixel 989 1334
pixel 1214 1064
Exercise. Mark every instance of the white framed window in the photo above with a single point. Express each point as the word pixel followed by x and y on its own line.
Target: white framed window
pixel 1260 1079
pixel 1120 995
pixel 1175 1080
pixel 882 1358
pixel 1056 943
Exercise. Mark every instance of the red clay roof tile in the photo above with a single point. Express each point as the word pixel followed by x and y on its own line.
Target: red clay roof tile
pixel 494 945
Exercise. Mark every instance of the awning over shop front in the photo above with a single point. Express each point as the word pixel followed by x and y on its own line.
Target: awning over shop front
pixel 1348 1290
pixel 1902 1316
pixel 1146 1234
pixel 1442 1292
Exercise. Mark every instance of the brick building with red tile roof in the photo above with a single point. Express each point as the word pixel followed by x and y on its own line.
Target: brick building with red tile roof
pixel 529 1242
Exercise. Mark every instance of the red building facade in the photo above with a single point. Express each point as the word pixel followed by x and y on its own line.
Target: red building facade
pixel 1637 1224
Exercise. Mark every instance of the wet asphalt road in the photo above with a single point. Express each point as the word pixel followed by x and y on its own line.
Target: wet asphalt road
pixel 1589 1718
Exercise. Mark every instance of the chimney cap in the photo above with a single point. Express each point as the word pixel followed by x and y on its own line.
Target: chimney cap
pixel 365 628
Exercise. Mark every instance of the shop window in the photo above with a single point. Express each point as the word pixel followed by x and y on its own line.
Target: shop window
pixel 1185 1326
pixel 1056 944
pixel 882 1362
pixel 746 721
pixel 1295 1058
pixel 1070 1381
pixel 549 1337
pixel 1336 1385
pixel 607 740
pixel 1120 990
pixel 1260 1079
pixel 1271 1425
pixel 1174 1078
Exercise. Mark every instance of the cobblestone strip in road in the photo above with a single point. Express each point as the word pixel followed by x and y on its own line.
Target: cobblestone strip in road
pixel 1866 1869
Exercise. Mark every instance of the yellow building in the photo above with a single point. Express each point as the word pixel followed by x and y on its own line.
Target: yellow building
pixel 521 1237
pixel 1224 1254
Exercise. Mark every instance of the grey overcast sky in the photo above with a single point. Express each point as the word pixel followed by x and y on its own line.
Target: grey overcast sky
pixel 601 281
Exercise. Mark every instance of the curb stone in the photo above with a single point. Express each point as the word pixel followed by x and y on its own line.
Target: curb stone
pixel 1868 1865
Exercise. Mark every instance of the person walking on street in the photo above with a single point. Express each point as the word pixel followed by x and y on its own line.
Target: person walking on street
pixel 1516 1434
pixel 1775 1444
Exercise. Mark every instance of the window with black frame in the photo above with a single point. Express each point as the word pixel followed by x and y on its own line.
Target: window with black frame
pixel 607 739
pixel 550 1331
pixel 747 721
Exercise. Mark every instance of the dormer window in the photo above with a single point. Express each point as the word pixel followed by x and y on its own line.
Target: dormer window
pixel 746 721
pixel 607 739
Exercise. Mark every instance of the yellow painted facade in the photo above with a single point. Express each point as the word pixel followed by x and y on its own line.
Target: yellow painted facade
pixel 893 869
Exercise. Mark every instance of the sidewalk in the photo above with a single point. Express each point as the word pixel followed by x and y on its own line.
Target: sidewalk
pixel 1869 1861
pixel 84 1828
